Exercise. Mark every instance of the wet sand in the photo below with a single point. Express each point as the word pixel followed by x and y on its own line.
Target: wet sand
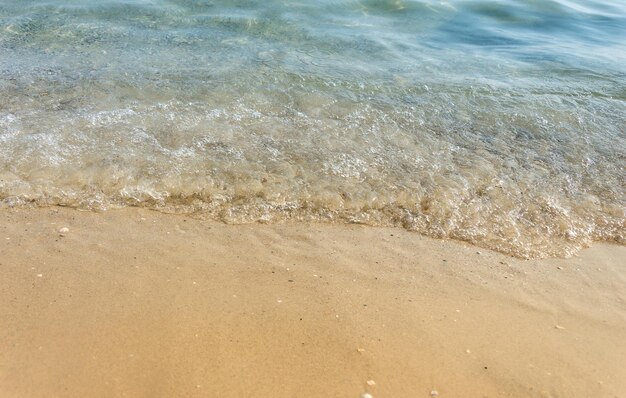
pixel 134 303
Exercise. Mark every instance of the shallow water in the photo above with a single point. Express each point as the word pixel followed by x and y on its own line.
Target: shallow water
pixel 501 123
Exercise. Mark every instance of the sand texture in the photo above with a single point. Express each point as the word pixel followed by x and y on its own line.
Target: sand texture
pixel 134 303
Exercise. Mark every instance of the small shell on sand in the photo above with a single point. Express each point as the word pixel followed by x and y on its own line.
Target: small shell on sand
pixel 64 230
pixel 434 393
pixel 371 383
pixel 366 395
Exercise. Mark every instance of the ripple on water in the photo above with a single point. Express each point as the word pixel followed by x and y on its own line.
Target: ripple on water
pixel 501 124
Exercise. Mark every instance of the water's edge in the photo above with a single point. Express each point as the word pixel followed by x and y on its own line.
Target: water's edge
pixel 502 124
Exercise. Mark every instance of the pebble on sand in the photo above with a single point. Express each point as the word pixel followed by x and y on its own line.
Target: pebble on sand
pixel 366 395
pixel 64 230
pixel 434 393
pixel 371 383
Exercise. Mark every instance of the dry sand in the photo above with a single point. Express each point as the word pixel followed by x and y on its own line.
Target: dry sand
pixel 134 303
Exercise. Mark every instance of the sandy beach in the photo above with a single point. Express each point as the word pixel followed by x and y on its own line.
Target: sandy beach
pixel 134 303
pixel 303 199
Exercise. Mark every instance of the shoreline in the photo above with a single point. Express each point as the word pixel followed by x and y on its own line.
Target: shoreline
pixel 133 302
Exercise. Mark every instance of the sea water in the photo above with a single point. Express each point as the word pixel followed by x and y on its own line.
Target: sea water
pixel 501 123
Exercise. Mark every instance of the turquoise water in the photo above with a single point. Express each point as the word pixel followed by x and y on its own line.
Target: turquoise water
pixel 500 123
